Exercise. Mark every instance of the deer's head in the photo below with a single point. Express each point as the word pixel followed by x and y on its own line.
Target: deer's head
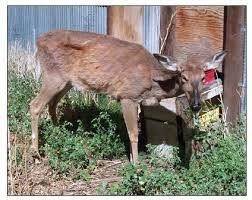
pixel 191 74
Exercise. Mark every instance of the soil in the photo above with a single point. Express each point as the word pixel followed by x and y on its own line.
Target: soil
pixel 37 177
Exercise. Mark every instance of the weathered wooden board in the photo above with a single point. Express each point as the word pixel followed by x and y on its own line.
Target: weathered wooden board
pixel 195 29
pixel 126 23
pixel 161 113
pixel 233 70
pixel 161 132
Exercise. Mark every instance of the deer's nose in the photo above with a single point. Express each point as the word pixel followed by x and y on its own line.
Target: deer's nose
pixel 196 107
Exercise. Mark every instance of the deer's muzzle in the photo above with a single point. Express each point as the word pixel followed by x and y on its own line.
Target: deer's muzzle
pixel 196 101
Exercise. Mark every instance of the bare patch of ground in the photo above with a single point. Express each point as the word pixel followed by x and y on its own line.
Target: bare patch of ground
pixel 35 177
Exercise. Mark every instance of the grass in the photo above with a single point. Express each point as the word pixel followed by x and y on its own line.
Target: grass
pixel 92 128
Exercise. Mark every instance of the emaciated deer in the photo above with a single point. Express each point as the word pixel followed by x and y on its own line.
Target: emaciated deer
pixel 125 71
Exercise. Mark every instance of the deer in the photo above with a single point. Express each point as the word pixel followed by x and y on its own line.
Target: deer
pixel 125 71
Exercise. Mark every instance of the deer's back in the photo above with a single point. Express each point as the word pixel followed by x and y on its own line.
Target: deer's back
pixel 98 62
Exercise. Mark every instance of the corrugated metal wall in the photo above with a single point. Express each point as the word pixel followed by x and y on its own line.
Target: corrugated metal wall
pixel 151 28
pixel 26 23
pixel 244 75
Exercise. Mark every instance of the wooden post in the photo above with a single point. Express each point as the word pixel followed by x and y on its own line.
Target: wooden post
pixel 234 43
pixel 165 18
pixel 126 23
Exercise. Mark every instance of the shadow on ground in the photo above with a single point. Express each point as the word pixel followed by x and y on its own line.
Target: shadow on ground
pixel 86 113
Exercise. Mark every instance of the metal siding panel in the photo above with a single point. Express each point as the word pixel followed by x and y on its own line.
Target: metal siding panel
pixel 151 28
pixel 26 21
pixel 244 76
pixel 23 20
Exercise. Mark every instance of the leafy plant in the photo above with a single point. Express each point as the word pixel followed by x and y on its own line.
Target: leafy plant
pixel 134 180
pixel 65 151
pixel 218 169
pixel 105 143
pixel 20 93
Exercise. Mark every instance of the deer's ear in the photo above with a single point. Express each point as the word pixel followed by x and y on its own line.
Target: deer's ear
pixel 215 60
pixel 167 62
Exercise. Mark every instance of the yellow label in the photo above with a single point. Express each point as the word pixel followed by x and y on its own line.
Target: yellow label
pixel 209 117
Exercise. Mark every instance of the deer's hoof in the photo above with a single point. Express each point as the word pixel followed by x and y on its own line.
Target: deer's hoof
pixel 34 152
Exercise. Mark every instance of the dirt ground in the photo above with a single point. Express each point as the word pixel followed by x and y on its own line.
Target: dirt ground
pixel 37 178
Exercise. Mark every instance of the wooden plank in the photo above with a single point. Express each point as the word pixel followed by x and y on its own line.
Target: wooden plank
pixel 195 29
pixel 126 23
pixel 234 43
pixel 161 112
pixel 199 30
pixel 161 132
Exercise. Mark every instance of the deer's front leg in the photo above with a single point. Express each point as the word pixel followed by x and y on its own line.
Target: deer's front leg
pixel 130 115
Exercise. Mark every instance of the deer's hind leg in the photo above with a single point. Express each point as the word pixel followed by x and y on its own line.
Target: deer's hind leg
pixel 52 85
pixel 52 106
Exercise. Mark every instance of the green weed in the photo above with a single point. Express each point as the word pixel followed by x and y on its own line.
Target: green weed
pixel 218 169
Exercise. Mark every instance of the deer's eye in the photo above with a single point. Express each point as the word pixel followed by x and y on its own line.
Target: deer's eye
pixel 203 79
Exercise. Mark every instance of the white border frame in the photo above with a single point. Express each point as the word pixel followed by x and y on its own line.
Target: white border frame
pixel 3 89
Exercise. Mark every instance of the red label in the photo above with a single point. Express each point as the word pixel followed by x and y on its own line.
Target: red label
pixel 209 76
